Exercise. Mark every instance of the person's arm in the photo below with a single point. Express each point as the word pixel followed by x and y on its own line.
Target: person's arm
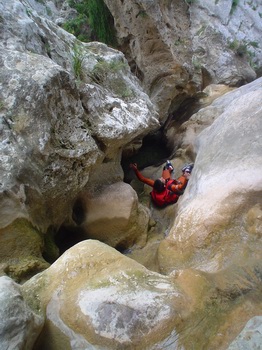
pixel 180 186
pixel 140 177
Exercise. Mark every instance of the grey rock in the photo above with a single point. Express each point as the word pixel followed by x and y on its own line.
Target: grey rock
pixel 19 325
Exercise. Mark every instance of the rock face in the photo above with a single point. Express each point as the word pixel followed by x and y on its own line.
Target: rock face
pixel 223 199
pixel 250 337
pixel 114 216
pixel 53 129
pixel 106 301
pixel 197 44
pixel 149 31
pixel 226 36
pixel 21 333
pixel 21 250
pixel 67 110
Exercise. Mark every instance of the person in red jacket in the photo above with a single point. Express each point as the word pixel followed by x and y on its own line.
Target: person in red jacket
pixel 166 190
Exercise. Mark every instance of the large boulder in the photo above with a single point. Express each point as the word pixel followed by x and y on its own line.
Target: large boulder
pixel 19 325
pixel 93 297
pixel 113 216
pixel 65 107
pixel 96 298
pixel 21 251
pixel 222 204
pixel 250 337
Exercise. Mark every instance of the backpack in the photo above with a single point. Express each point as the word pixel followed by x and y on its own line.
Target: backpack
pixel 161 199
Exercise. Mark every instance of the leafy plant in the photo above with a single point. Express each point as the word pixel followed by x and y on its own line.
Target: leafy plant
pixel 93 22
pixel 78 27
pixel 101 22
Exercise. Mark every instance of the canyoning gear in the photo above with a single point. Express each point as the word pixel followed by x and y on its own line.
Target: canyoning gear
pixel 172 188
pixel 169 166
pixel 188 167
pixel 167 196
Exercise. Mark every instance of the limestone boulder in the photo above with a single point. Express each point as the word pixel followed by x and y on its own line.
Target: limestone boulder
pixel 250 337
pixel 197 43
pixel 22 247
pixel 65 106
pixel 114 216
pixel 19 325
pixel 221 206
pixel 96 298
pixel 149 32
pixel 226 46
pixel 181 136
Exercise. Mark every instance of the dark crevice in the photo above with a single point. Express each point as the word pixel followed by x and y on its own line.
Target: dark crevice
pixel 99 143
pixel 153 152
pixel 79 213
pixel 67 237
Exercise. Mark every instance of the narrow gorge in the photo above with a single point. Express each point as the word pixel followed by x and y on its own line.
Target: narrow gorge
pixel 87 261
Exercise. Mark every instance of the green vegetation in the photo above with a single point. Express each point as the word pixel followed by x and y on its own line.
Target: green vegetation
pixel 251 4
pixel 51 251
pixel 101 22
pixel 28 12
pixel 196 63
pixel 79 27
pixel 93 22
pixel 253 44
pixel 103 68
pixel 115 82
pixel 190 2
pixel 233 45
pixel 142 13
pixel 48 11
pixel 241 47
pixel 78 57
pixel 201 30
pixel 233 6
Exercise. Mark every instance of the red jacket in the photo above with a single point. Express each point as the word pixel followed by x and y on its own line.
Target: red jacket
pixel 165 197
pixel 171 193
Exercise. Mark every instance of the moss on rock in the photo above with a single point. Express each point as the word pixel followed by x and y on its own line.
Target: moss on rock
pixel 21 250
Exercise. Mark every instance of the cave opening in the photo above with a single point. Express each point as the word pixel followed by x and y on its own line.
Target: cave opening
pixel 67 237
pixel 153 152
